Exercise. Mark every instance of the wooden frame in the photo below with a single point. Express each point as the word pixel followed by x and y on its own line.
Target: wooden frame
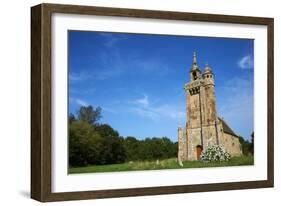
pixel 41 101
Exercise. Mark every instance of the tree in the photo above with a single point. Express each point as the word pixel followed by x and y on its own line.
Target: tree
pixel 91 143
pixel 112 147
pixel 84 144
pixel 94 144
pixel 132 148
pixel 71 118
pixel 246 146
pixel 150 148
pixel 252 143
pixel 106 130
pixel 169 148
pixel 89 114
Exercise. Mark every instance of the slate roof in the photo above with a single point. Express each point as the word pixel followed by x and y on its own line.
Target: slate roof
pixel 227 128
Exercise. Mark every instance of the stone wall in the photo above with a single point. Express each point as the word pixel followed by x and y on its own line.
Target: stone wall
pixel 231 144
pixel 193 139
pixel 193 110
pixel 182 144
pixel 209 138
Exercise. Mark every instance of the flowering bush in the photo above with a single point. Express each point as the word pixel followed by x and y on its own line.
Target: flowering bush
pixel 215 153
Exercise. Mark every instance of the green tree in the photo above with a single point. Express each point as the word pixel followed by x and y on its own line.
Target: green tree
pixel 169 148
pixel 71 118
pixel 246 146
pixel 132 148
pixel 84 144
pixel 112 147
pixel 252 143
pixel 149 148
pixel 91 143
pixel 89 114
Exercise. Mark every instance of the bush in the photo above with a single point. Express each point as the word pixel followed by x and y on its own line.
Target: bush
pixel 215 153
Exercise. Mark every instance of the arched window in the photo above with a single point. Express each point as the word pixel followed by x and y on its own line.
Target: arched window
pixel 194 75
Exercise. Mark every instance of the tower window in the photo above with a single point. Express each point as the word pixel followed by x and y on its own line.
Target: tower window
pixel 194 75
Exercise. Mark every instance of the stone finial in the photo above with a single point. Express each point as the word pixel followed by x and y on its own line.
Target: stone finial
pixel 207 68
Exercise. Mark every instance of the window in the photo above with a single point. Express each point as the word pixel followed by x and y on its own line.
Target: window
pixel 194 75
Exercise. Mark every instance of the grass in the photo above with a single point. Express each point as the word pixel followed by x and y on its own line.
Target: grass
pixel 161 164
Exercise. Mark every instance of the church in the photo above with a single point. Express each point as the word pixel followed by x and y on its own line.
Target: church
pixel 204 127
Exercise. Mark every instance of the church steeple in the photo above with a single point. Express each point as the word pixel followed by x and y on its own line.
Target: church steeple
pixel 195 72
pixel 194 63
pixel 194 59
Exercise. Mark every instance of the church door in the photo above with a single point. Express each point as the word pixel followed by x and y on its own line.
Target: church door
pixel 199 149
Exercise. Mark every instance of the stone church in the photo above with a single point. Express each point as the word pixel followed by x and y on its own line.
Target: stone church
pixel 204 127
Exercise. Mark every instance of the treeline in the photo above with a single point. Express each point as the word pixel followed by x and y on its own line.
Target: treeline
pixel 92 143
pixel 247 146
pixel 149 148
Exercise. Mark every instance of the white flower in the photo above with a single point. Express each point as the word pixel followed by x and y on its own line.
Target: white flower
pixel 215 153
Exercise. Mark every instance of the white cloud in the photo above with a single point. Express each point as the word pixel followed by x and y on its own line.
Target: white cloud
pixel 143 102
pixel 112 64
pixel 246 62
pixel 111 110
pixel 81 102
pixel 144 108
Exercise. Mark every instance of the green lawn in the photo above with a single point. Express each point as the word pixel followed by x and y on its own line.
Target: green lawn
pixel 162 164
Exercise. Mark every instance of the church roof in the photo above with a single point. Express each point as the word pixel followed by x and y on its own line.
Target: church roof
pixel 227 128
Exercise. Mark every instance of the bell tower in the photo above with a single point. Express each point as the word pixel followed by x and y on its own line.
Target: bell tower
pixel 195 72
pixel 203 127
pixel 202 118
pixel 192 90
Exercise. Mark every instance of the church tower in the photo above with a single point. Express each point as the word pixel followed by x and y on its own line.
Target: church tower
pixel 203 127
pixel 202 118
pixel 209 99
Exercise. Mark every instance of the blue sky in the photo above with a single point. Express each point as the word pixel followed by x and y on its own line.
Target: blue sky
pixel 138 79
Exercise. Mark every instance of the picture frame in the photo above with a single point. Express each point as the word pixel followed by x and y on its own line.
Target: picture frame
pixel 41 101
